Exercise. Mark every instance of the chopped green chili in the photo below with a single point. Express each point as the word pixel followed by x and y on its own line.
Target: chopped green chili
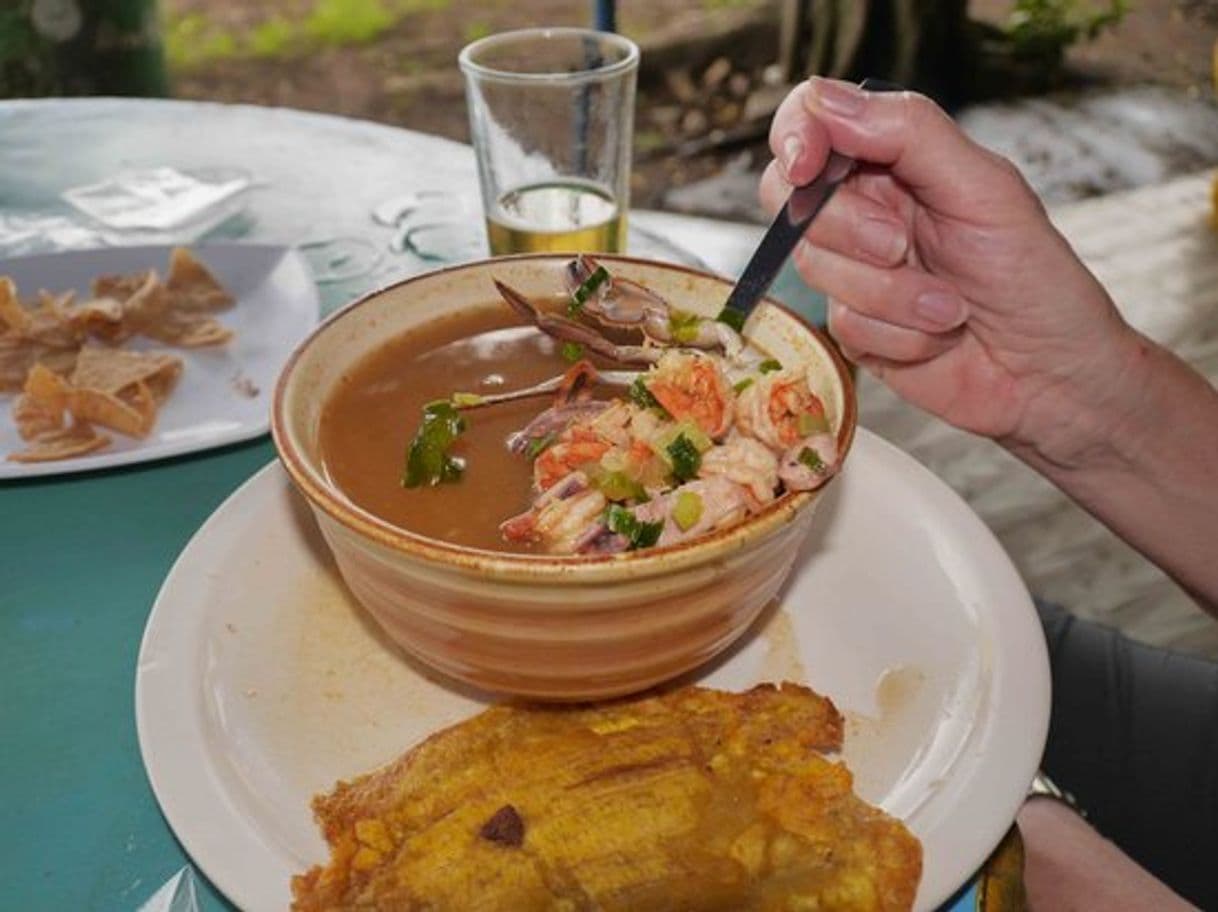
pixel 641 396
pixel 769 365
pixel 683 326
pixel 580 296
pixel 686 460
pixel 812 423
pixel 733 318
pixel 638 533
pixel 687 510
pixel 812 460
pixel 618 486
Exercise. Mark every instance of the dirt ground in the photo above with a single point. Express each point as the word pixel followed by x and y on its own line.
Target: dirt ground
pixel 407 76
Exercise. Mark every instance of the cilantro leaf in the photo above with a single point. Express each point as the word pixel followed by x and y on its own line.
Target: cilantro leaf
pixel 572 351
pixel 769 365
pixel 539 445
pixel 427 460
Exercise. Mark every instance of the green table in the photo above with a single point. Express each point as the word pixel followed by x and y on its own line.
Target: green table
pixel 82 557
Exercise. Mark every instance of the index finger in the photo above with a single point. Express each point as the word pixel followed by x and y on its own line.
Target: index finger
pixel 798 140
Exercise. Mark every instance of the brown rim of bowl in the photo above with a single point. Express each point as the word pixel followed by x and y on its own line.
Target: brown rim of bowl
pixel 573 568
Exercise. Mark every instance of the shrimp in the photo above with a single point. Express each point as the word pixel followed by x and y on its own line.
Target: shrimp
pixel 565 519
pixel 578 446
pixel 809 463
pixel 780 409
pixel 613 424
pixel 692 386
pixel 747 462
pixel 720 503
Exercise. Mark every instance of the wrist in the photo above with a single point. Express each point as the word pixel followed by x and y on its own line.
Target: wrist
pixel 1096 415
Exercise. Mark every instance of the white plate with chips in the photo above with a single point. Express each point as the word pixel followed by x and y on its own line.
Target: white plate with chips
pixel 223 394
pixel 903 608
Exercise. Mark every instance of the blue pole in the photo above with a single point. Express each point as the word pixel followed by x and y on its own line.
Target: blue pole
pixel 606 15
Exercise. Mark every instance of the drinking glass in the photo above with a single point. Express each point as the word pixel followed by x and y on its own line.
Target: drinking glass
pixel 551 113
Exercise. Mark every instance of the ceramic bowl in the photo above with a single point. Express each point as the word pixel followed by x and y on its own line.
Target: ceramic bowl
pixel 541 627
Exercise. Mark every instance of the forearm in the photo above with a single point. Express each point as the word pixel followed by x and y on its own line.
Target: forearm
pixel 1150 473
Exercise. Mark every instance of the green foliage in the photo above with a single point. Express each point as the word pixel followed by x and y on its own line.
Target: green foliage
pixel 26 68
pixel 273 38
pixel 409 7
pixel 475 30
pixel 1045 28
pixel 339 22
pixel 193 40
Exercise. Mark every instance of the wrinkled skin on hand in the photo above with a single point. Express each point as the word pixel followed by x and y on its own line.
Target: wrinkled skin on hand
pixel 946 278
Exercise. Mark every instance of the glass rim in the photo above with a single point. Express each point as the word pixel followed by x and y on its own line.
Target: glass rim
pixel 618 67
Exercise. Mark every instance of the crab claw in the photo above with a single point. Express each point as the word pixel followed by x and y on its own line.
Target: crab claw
pixel 570 331
pixel 624 304
pixel 619 302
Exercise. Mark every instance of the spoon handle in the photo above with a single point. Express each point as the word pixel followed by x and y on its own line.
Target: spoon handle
pixel 801 207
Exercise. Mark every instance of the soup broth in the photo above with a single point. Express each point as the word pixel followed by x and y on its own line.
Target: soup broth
pixel 372 414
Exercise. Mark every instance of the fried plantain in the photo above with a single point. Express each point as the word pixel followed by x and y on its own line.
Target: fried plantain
pixel 692 800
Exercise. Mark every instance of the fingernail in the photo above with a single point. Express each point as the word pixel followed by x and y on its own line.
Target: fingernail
pixel 837 97
pixel 883 239
pixel 941 308
pixel 792 149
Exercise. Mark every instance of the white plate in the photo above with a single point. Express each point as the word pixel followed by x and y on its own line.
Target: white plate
pixel 261 682
pixel 224 392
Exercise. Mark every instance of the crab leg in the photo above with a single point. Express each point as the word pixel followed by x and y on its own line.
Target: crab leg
pixel 468 401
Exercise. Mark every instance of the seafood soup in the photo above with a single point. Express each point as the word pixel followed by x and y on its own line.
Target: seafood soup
pixel 600 421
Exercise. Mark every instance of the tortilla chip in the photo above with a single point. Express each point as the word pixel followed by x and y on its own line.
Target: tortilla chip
pixel 101 317
pixel 146 305
pixel 54 307
pixel 139 397
pixel 65 443
pixel 110 370
pixel 109 411
pixel 12 314
pixel 40 407
pixel 18 354
pixel 187 330
pixel 192 285
pixel 49 324
pixel 121 287
pixel 42 358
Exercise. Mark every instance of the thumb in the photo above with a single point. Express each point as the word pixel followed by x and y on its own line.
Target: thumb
pixel 916 140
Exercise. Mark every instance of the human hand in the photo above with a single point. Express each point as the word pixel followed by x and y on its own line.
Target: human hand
pixel 946 278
